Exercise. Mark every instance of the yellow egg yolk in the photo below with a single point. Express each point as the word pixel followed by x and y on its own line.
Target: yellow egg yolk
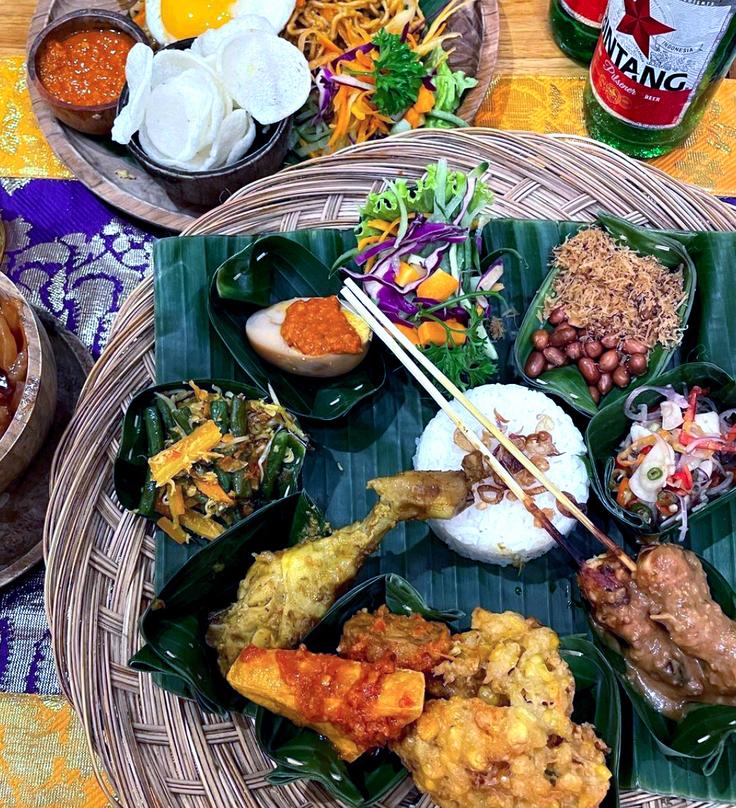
pixel 187 18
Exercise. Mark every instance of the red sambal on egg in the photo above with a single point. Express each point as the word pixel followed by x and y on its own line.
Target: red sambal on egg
pixel 318 326
pixel 85 68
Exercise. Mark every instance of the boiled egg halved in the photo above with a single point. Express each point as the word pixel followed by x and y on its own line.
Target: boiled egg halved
pixel 263 330
pixel 171 20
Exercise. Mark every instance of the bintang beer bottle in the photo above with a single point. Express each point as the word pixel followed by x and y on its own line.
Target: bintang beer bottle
pixel 576 25
pixel 656 66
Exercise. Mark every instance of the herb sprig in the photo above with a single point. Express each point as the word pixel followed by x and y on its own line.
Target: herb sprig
pixel 398 74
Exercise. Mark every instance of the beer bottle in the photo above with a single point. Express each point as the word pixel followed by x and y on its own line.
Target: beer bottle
pixel 655 67
pixel 576 25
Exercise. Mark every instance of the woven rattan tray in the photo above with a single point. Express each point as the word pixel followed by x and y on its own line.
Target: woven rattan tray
pixel 156 749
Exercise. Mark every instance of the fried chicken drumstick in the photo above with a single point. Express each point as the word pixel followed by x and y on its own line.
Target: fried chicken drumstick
pixel 285 594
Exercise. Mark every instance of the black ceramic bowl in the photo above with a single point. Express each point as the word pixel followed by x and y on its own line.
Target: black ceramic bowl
pixel 206 189
pixel 92 120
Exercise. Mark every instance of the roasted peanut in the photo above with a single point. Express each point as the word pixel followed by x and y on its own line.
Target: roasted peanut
pixel 605 383
pixel 595 393
pixel 588 370
pixel 633 346
pixel 557 316
pixel 637 364
pixel 609 341
pixel 540 339
pixel 621 377
pixel 608 361
pixel 554 356
pixel 593 349
pixel 534 365
pixel 574 350
pixel 562 336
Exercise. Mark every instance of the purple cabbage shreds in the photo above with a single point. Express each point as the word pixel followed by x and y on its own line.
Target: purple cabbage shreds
pixel 490 277
pixel 392 302
pixel 348 56
pixel 327 91
pixel 428 82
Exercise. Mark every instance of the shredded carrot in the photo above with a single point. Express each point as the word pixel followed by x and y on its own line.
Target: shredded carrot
pixel 458 332
pixel 432 333
pixel 409 332
pixel 408 273
pixel 173 530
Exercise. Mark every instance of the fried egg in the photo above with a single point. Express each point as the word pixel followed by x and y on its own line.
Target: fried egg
pixel 172 20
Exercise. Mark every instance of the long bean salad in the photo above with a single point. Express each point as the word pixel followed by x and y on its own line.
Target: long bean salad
pixel 214 457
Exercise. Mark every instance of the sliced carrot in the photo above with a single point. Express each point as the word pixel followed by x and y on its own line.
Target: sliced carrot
pixel 623 495
pixel 413 118
pixel 172 530
pixel 201 525
pixel 439 286
pixel 176 503
pixel 213 490
pixel 407 273
pixel 432 333
pixel 458 332
pixel 425 100
pixel 409 331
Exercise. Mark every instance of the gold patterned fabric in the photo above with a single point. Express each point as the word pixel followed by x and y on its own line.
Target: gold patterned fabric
pixel 555 104
pixel 44 761
pixel 23 150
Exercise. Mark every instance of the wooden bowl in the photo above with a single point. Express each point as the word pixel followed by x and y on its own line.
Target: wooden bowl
pixel 92 120
pixel 30 424
pixel 206 189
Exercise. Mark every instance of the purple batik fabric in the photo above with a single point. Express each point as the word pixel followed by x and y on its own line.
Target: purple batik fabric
pixel 76 258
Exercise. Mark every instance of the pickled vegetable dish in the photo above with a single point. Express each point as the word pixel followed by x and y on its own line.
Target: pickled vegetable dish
pixel 675 458
pixel 213 458
pixel 13 360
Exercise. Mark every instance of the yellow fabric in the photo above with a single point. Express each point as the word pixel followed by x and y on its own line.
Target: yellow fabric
pixel 44 762
pixel 23 150
pixel 555 104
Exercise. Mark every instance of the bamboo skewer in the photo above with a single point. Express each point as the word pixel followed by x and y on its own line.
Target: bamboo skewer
pixel 410 356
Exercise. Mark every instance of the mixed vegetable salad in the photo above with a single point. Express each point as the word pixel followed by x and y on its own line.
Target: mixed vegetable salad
pixel 419 257
pixel 390 83
pixel 675 458
pixel 213 458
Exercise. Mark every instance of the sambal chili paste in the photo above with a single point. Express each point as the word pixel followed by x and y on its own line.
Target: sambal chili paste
pixel 86 68
pixel 318 326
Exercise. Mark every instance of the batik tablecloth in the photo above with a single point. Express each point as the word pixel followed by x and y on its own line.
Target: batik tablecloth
pixel 77 258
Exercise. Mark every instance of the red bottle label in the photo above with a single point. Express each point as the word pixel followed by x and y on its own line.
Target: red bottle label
pixel 589 12
pixel 652 56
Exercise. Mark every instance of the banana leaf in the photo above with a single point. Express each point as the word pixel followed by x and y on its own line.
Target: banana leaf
pixel 610 426
pixel 131 463
pixel 702 734
pixel 266 271
pixel 302 754
pixel 378 438
pixel 174 626
pixel 566 382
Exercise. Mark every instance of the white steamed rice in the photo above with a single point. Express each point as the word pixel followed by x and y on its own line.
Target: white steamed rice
pixel 505 533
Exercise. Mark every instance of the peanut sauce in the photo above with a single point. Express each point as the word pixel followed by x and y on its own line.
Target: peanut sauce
pixel 86 68
pixel 314 680
pixel 318 326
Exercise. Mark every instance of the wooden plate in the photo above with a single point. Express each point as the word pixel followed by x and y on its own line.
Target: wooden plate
pixel 23 505
pixel 107 169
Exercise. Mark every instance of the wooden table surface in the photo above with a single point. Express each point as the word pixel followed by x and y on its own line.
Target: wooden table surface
pixel 526 48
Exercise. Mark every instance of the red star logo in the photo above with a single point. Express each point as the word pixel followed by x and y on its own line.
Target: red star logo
pixel 638 22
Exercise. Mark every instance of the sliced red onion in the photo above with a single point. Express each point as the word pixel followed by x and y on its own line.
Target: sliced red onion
pixel 668 392
pixel 351 81
pixel 725 484
pixel 472 182
pixel 699 441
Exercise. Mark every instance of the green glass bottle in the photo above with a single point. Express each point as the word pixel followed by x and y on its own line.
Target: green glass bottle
pixel 655 68
pixel 576 25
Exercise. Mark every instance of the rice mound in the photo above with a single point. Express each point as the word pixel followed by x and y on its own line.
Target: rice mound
pixel 505 533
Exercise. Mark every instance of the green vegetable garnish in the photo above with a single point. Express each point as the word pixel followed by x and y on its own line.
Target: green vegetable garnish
pixel 398 74
pixel 466 365
pixel 654 473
